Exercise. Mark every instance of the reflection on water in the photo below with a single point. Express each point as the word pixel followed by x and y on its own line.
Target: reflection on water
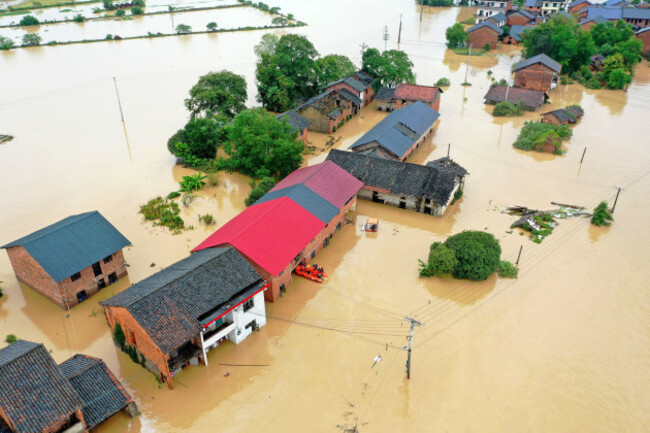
pixel 551 347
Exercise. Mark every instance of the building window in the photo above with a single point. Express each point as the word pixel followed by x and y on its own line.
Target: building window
pixel 76 276
pixel 313 254
pixel 101 284
pixel 249 304
pixel 112 278
pixel 97 269
pixel 108 258
pixel 82 296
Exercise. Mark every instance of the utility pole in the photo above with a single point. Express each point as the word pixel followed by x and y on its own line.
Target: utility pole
pixel 507 89
pixel 385 36
pixel 399 34
pixel 583 155
pixel 363 48
pixel 414 323
pixel 119 103
pixel 448 149
pixel 421 10
pixel 519 255
pixel 616 199
pixel 469 53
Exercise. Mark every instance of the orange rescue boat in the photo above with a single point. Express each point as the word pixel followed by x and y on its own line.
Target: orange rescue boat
pixel 310 273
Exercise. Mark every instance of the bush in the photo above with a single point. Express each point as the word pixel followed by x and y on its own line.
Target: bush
pixel 79 18
pixel 486 47
pixel 602 216
pixel 534 135
pixel 137 10
pixel 109 37
pixel 120 13
pixel 477 252
pixel 183 29
pixel 207 219
pixel 262 187
pixel 31 40
pixel 11 338
pixel 508 109
pixel 593 83
pixel 618 79
pixel 108 5
pixel 28 20
pixel 507 270
pixel 442 261
pixel 172 195
pixel 192 183
pixel 6 43
pixel 443 82
pixel 118 336
pixel 163 213
pixel 212 26
pixel 139 3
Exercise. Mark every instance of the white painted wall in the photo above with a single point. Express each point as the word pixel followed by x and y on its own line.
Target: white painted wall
pixel 242 318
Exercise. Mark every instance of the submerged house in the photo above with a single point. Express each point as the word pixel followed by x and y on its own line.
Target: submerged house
pixel 520 17
pixel 539 73
pixel 70 260
pixel 399 134
pixel 290 224
pixel 389 99
pixel 515 35
pixel 175 316
pixel 563 116
pixel 485 33
pixel 326 111
pixel 39 396
pixel 427 188
pixel 530 99
pixel 297 122
pixel 358 84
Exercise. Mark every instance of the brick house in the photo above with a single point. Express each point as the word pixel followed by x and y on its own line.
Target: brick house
pixel 530 99
pixel 515 34
pixel 644 36
pixel 384 99
pixel 519 17
pixel 533 6
pixel 587 23
pixel 484 33
pixel 70 260
pixel 297 122
pixel 359 84
pixel 399 134
pixel 290 224
pixel 389 99
pixel 563 116
pixel 327 111
pixel 428 189
pixel 175 316
pixel 638 17
pixel 537 73
pixel 498 19
pixel 39 396
pixel 577 6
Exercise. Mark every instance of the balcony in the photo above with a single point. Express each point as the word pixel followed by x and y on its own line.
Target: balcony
pixel 214 335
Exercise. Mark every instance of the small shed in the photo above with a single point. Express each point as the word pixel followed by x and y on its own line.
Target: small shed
pixel 563 116
pixel 530 99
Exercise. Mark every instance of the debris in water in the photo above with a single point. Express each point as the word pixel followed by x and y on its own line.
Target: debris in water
pixel 540 223
pixel 5 138
pixel 376 359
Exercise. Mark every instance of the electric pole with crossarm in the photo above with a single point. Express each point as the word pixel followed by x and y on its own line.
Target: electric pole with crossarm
pixel 414 323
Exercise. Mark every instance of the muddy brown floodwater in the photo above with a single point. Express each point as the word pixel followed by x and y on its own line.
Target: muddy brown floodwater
pixel 564 348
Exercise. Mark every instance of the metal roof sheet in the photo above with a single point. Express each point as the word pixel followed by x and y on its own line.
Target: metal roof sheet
pixel 72 244
pixel 307 198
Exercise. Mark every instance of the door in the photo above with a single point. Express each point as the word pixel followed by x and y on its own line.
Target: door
pixel 97 269
pixel 101 284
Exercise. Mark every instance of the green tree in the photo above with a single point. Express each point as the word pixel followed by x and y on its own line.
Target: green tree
pixel 618 79
pixel 11 339
pixel 6 43
pixel 442 260
pixel 28 20
pixel 285 71
pixel 477 253
pixel 108 5
pixel 602 216
pixel 456 36
pixel 388 68
pixel 331 68
pixel 202 135
pixel 120 13
pixel 212 26
pixel 137 10
pixel 183 29
pixel 31 39
pixel 261 146
pixel 139 3
pixel 279 21
pixel 223 93
pixel 265 185
pixel 118 336
pixel 79 18
pixel 508 270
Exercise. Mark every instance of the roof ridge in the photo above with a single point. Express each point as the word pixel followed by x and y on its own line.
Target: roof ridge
pixel 37 345
pixel 83 215
pixel 95 361
pixel 128 304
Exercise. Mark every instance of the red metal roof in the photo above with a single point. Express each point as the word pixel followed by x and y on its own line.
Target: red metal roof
pixel 412 92
pixel 326 179
pixel 271 234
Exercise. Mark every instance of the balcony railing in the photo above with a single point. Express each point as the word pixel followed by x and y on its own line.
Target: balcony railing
pixel 211 337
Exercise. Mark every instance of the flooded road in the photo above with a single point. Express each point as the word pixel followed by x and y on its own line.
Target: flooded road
pixel 564 348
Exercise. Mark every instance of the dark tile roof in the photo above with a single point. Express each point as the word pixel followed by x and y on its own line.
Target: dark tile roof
pixel 597 58
pixel 399 178
pixel 540 58
pixel 498 17
pixel 34 394
pixel 307 198
pixel 346 94
pixel 636 13
pixel 385 94
pixel 577 111
pixel 597 19
pixel 447 164
pixel 577 2
pixel 517 30
pixel 101 393
pixel 297 122
pixel 613 2
pixel 561 115
pixel 400 129
pixel 169 303
pixel 362 76
pixel 523 12
pixel 486 24
pixel 532 99
pixel 352 82
pixel 72 244
pixel 609 13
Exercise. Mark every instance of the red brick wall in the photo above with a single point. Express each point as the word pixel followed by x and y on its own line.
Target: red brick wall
pixel 578 8
pixel 534 77
pixel 645 38
pixel 586 26
pixel 143 341
pixel 517 19
pixel 485 35
pixel 303 136
pixel 509 40
pixel 550 118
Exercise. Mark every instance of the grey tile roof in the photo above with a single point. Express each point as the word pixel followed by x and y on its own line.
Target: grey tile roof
pixel 540 58
pixel 533 4
pixel 306 198
pixel 446 163
pixel 613 2
pixel 101 393
pixel 598 20
pixel 561 115
pixel 169 304
pixel 498 17
pixel 486 24
pixel 517 30
pixel 531 99
pixel 609 13
pixel 399 178
pixel 297 122
pixel 356 84
pixel 362 76
pixel 34 394
pixel 577 2
pixel 346 94
pixel 523 12
pixel 636 13
pixel 385 94
pixel 72 244
pixel 401 128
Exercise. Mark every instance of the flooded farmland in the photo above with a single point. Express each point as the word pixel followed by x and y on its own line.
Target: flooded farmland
pixel 564 348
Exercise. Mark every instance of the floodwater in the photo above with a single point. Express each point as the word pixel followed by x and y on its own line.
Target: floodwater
pixel 564 348
pixel 229 18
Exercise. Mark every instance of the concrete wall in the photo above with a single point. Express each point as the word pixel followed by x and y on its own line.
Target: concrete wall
pixel 535 77
pixel 65 292
pixel 485 35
